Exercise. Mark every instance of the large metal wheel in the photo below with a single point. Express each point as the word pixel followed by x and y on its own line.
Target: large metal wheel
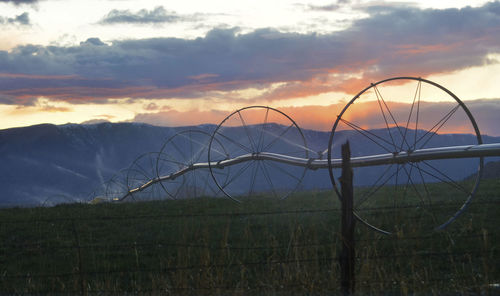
pixel 141 177
pixel 404 114
pixel 98 194
pixel 251 131
pixel 116 187
pixel 181 152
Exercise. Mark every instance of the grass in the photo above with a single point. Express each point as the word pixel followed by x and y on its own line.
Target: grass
pixel 259 247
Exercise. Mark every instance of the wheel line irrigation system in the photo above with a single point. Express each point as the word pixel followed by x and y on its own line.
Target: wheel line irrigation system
pixel 397 144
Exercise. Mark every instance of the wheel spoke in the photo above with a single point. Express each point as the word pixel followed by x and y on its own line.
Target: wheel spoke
pixel 410 182
pixel 235 142
pixel 254 176
pixel 444 178
pixel 180 188
pixel 191 151
pixel 268 178
pixel 271 164
pixel 427 193
pixel 287 141
pixel 365 133
pixel 379 98
pixel 137 178
pixel 245 127
pixel 426 207
pixel 197 156
pixel 179 150
pixel 240 171
pixel 142 169
pixel 191 139
pixel 261 137
pixel 372 190
pixel 417 92
pixel 393 120
pixel 277 138
pixel 437 126
pixel 178 163
pixel 152 164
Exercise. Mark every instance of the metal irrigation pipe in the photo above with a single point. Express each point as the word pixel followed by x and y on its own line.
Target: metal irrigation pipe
pixel 466 151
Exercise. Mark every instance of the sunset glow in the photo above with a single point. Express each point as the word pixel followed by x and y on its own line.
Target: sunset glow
pixel 195 62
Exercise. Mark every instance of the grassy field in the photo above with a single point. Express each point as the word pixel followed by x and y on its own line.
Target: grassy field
pixel 259 247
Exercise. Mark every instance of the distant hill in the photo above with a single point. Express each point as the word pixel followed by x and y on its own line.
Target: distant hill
pixel 491 170
pixel 72 160
pixel 44 160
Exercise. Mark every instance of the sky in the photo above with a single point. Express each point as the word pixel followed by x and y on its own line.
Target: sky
pixel 191 62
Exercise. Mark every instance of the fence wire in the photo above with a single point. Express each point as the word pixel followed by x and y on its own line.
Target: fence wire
pixel 295 264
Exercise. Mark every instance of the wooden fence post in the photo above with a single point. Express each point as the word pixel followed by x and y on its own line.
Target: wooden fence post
pixel 348 221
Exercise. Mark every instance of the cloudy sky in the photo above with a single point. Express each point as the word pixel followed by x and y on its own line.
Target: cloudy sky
pixel 191 62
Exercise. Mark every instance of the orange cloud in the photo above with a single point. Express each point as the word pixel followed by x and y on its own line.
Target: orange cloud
pixel 413 49
pixel 366 115
pixel 53 109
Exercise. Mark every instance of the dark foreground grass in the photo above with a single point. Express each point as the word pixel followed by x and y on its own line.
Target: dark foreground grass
pixel 259 247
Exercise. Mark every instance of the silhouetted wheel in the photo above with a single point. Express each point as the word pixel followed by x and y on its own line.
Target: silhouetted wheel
pixel 141 179
pixel 116 187
pixel 184 152
pixel 405 114
pixel 246 134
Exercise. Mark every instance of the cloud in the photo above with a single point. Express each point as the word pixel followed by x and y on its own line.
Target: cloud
pixel 22 20
pixel 46 106
pixel 92 42
pixel 392 41
pixel 176 118
pixel 329 7
pixel 8 100
pixel 322 118
pixel 19 2
pixel 156 16
pixel 486 113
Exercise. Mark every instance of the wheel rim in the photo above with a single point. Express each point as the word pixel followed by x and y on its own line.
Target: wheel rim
pixel 181 151
pixel 116 187
pixel 250 131
pixel 142 171
pixel 392 127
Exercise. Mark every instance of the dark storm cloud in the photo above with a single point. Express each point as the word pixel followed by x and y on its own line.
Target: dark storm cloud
pixel 22 19
pixel 390 42
pixel 144 16
pixel 221 59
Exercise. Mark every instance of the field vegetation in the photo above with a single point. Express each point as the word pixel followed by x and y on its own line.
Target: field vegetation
pixel 258 247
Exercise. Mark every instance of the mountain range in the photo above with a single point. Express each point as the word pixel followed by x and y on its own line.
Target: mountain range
pixel 37 162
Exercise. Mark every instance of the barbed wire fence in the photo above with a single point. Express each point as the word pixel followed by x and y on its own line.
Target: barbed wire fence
pixel 63 255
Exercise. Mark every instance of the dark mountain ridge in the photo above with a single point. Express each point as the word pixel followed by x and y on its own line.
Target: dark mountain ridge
pixel 44 160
